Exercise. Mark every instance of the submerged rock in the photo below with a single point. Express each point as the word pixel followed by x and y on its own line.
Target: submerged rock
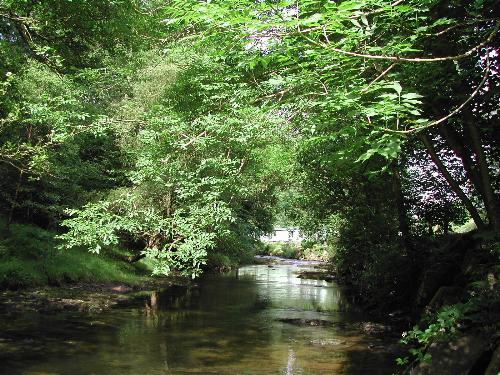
pixel 372 328
pixel 84 297
pixel 307 322
pixel 121 288
pixel 316 275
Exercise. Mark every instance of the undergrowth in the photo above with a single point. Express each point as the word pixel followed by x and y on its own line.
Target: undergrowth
pixel 307 250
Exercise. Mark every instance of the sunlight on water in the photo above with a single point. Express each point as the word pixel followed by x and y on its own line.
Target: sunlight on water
pixel 239 323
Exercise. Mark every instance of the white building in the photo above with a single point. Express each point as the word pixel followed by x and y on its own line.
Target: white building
pixel 283 235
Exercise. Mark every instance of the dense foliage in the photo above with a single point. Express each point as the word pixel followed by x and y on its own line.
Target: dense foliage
pixel 196 178
pixel 117 141
pixel 182 131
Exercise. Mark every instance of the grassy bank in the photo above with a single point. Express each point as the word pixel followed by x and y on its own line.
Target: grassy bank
pixel 29 257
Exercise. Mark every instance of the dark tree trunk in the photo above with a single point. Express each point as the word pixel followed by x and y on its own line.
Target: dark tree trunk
pixel 490 200
pixel 14 201
pixel 458 147
pixel 397 188
pixel 454 185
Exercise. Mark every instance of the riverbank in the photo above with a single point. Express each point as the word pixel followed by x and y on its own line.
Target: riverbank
pixel 36 276
pixel 305 250
pixel 30 257
pixel 39 278
pixel 82 297
pixel 94 296
pixel 98 297
pixel 427 324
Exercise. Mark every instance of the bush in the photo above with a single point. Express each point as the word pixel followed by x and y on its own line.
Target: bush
pixel 370 256
pixel 17 274
pixel 219 262
pixel 287 250
pixel 262 248
pixel 307 250
pixel 318 251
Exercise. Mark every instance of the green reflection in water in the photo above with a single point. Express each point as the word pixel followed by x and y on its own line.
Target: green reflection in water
pixel 229 324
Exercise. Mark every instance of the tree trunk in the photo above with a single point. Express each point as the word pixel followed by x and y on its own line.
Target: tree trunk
pixel 397 188
pixel 14 201
pixel 453 184
pixel 490 200
pixel 453 139
pixel 456 142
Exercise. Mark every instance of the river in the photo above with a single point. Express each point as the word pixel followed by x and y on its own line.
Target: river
pixel 259 320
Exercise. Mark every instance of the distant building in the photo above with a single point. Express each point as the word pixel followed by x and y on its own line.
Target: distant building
pixel 283 235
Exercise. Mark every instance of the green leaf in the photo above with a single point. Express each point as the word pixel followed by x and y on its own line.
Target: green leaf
pixel 411 95
pixel 313 20
pixel 350 5
pixel 396 86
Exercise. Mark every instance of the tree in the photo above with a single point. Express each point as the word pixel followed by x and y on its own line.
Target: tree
pixel 52 138
pixel 195 167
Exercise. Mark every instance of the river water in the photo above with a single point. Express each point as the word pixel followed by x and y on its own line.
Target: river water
pixel 238 323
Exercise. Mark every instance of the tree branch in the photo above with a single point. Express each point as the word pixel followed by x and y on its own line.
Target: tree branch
pixel 381 75
pixel 451 114
pixel 202 134
pixel 448 29
pixel 380 10
pixel 412 59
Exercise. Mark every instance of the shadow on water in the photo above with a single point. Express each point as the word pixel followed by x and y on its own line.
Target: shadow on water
pixel 259 320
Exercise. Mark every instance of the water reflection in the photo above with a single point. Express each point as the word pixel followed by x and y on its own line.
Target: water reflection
pixel 226 325
pixel 282 286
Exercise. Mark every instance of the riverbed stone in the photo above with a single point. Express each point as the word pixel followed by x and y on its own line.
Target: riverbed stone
pixel 372 328
pixel 455 357
pixel 316 275
pixel 307 322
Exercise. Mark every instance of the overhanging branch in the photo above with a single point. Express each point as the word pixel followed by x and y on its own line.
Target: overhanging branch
pixel 412 59
pixel 451 114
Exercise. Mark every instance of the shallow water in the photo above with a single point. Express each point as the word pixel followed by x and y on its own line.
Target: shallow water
pixel 228 324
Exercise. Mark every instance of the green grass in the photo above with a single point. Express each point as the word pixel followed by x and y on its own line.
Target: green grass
pixel 29 257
